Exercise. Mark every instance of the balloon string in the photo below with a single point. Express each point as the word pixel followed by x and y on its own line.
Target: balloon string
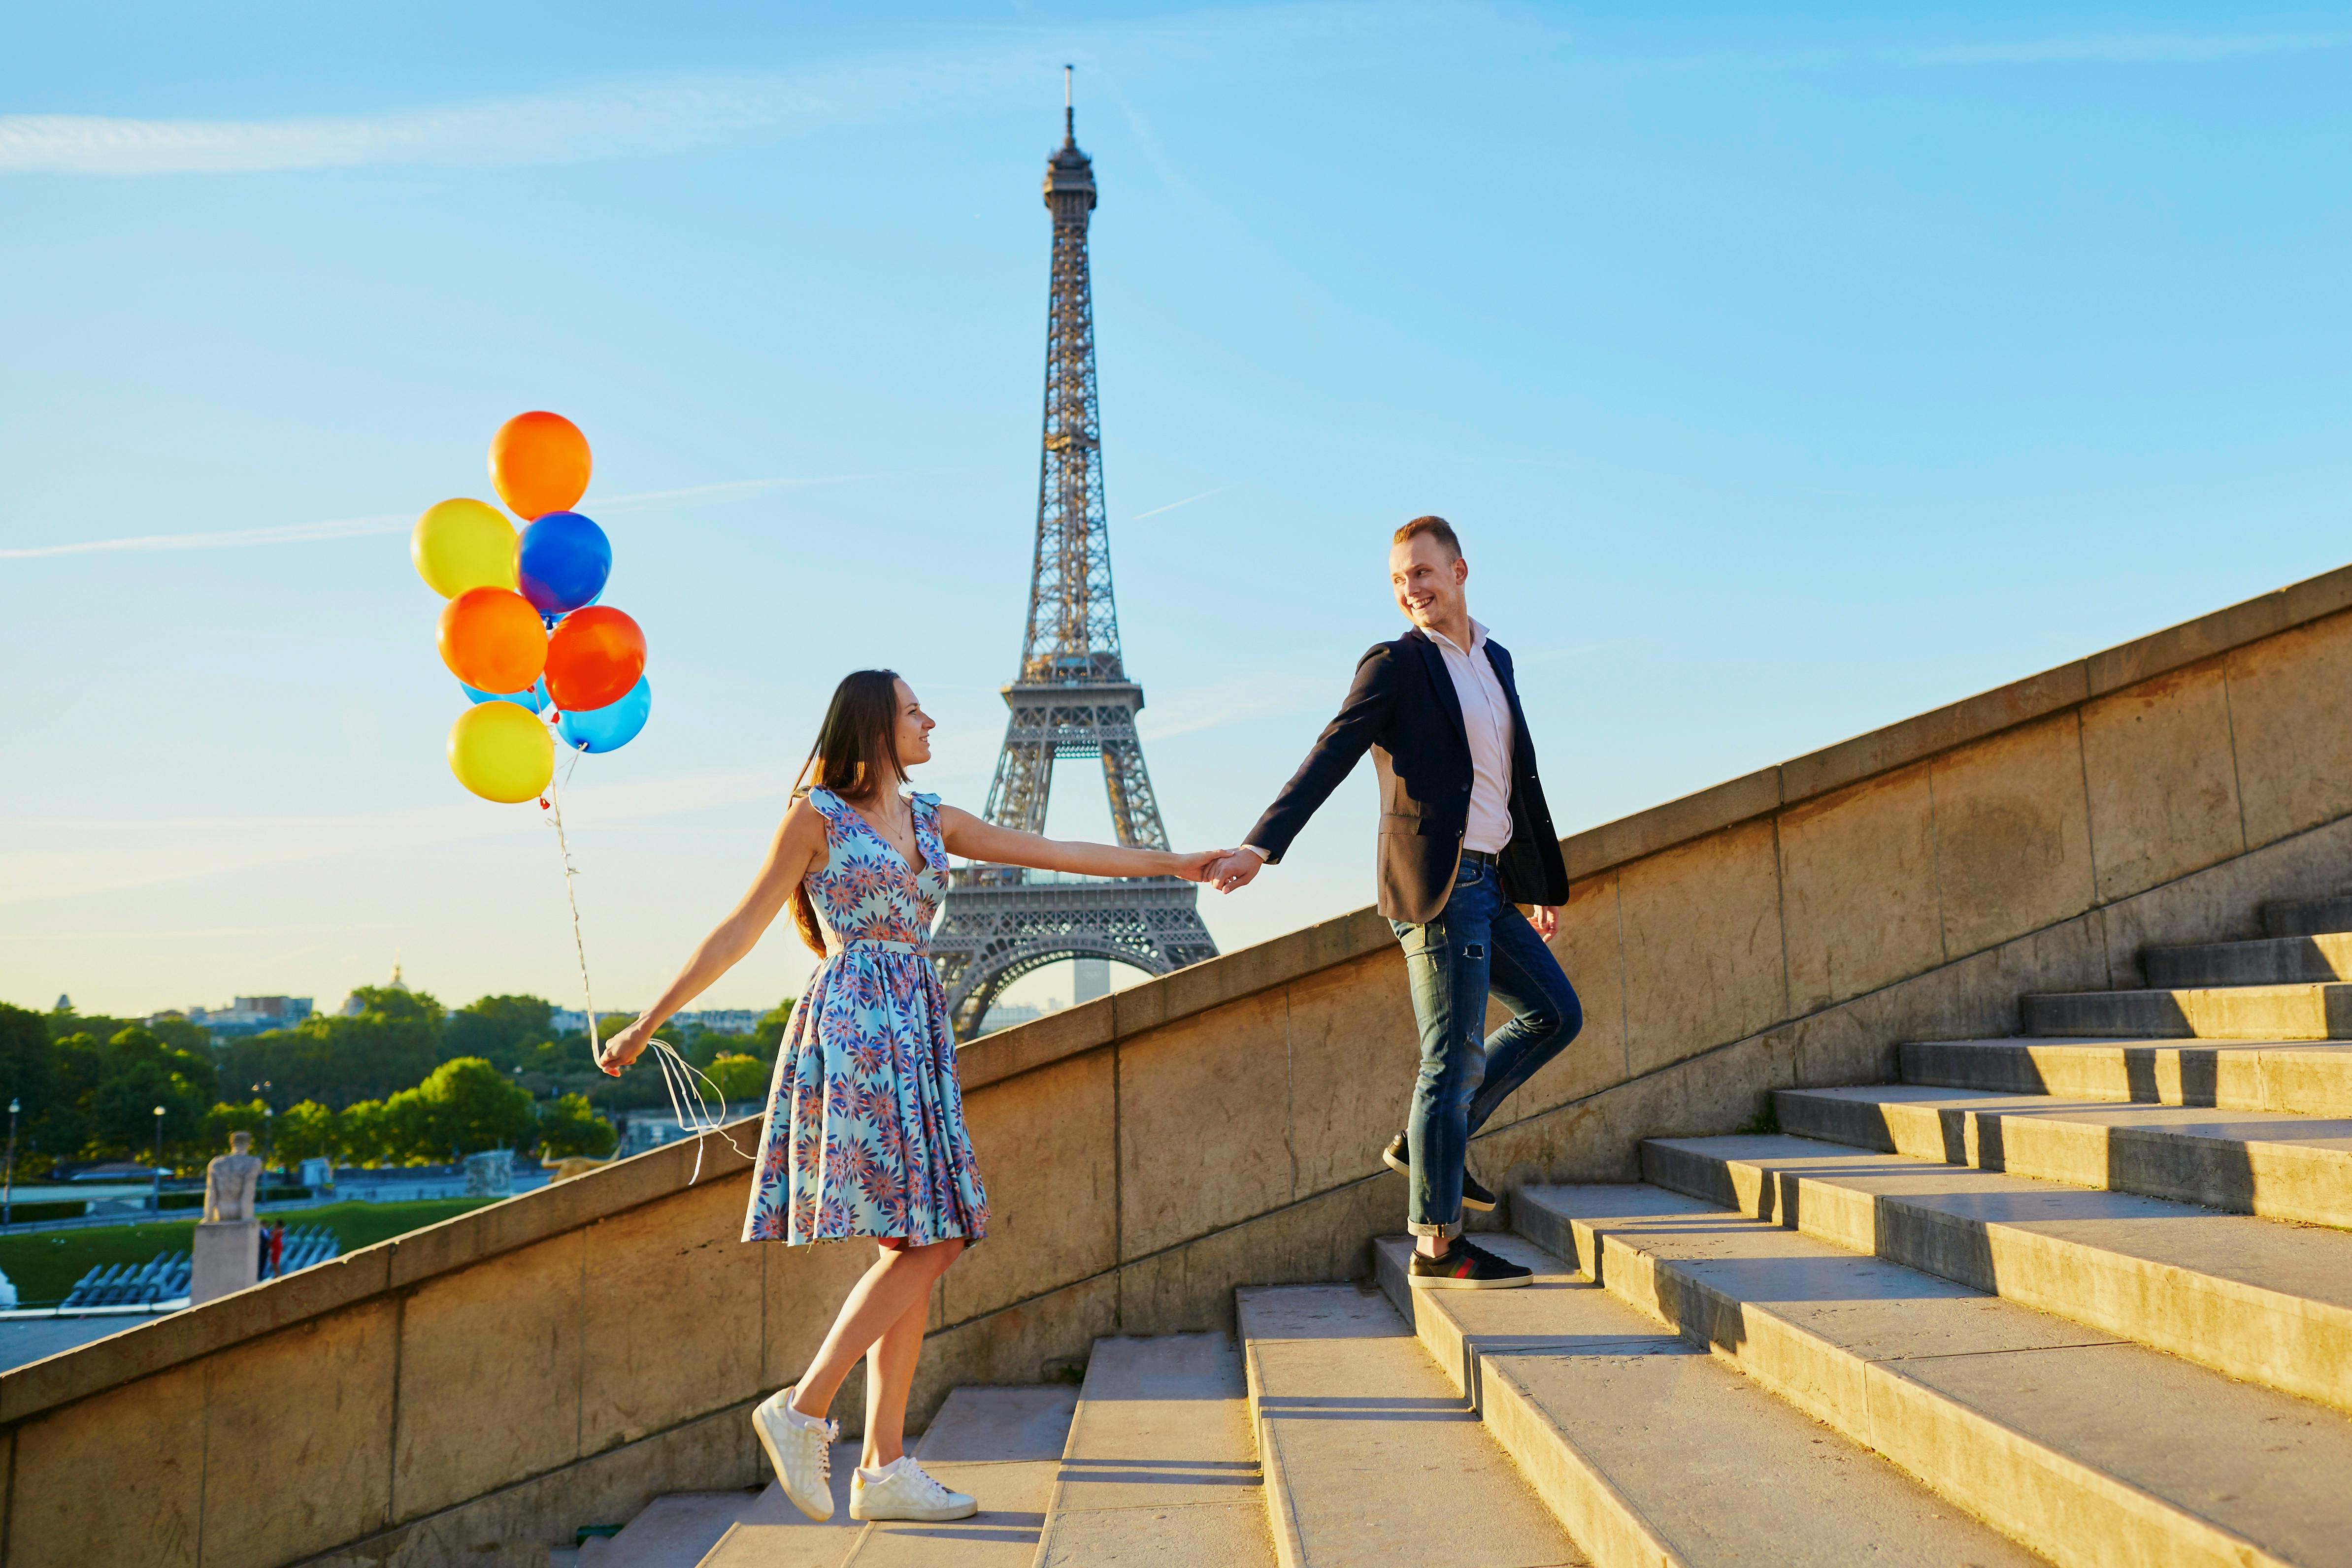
pixel 678 1075
pixel 579 945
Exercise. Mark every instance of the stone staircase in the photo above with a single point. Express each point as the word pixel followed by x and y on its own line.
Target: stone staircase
pixel 2084 1297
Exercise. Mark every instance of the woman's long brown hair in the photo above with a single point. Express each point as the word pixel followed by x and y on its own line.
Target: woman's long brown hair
pixel 855 756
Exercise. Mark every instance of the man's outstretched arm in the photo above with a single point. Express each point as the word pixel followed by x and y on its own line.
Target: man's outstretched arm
pixel 1334 756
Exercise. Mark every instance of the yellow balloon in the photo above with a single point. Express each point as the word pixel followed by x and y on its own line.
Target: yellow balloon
pixel 501 752
pixel 463 544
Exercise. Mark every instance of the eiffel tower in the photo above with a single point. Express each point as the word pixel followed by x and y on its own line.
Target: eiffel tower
pixel 1072 697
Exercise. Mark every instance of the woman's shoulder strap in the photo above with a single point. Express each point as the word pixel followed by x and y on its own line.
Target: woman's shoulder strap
pixel 828 805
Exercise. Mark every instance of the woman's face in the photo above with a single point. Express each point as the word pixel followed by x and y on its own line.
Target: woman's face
pixel 913 733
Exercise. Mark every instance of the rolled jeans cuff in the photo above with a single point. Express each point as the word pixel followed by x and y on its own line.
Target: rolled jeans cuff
pixel 1448 1231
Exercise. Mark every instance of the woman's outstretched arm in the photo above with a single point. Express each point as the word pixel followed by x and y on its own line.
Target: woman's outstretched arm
pixel 975 840
pixel 800 839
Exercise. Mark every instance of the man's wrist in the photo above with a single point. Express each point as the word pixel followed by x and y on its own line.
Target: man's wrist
pixel 1263 858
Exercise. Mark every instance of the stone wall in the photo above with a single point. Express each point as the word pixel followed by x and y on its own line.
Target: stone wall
pixel 474 1391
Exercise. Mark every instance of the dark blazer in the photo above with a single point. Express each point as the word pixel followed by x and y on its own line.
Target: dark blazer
pixel 1402 708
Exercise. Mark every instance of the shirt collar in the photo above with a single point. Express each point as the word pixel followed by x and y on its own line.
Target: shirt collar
pixel 1477 637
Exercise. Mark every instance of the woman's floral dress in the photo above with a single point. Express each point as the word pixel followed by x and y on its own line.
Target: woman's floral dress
pixel 863 1134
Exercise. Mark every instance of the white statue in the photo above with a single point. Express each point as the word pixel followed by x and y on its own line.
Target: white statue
pixel 231 1180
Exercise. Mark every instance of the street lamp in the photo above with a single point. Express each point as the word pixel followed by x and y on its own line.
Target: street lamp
pixel 8 1176
pixel 158 1198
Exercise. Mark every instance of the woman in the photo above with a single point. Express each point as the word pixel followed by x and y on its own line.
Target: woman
pixel 864 1134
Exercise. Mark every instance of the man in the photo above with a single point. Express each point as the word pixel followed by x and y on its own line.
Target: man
pixel 1465 838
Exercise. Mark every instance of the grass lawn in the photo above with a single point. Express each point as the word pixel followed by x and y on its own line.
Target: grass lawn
pixel 46 1265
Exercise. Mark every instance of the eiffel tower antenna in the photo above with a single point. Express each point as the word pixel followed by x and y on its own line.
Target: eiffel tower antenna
pixel 1072 697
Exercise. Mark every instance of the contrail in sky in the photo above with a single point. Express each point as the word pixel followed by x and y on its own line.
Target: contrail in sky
pixel 1185 502
pixel 382 523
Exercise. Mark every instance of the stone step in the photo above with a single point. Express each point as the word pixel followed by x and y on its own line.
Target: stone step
pixel 1159 1467
pixel 2298 1079
pixel 2092 1451
pixel 2248 1162
pixel 773 1533
pixel 2270 961
pixel 2223 1012
pixel 2308 916
pixel 1001 1445
pixel 1371 1457
pixel 2271 1304
pixel 678 1530
pixel 1650 1452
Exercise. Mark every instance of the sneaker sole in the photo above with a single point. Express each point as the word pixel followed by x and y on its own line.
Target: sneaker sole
pixel 1441 1282
pixel 776 1463
pixel 1483 1205
pixel 939 1516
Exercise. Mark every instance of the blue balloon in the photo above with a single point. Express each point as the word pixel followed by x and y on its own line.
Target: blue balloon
pixel 562 562
pixel 611 727
pixel 534 697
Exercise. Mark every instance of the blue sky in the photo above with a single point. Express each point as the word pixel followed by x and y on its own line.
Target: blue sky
pixel 1788 372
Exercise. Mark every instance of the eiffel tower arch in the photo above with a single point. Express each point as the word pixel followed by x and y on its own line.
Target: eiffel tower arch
pixel 1072 697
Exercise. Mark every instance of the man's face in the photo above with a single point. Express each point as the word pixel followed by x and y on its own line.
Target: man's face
pixel 1427 580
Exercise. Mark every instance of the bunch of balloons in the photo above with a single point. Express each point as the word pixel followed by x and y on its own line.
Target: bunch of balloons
pixel 522 631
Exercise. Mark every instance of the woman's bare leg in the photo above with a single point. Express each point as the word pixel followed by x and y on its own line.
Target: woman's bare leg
pixel 898 1281
pixel 889 1374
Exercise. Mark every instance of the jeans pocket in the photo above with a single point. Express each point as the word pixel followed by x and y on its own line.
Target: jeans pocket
pixel 1421 941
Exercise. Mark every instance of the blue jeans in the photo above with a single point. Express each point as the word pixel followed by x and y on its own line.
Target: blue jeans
pixel 1477 945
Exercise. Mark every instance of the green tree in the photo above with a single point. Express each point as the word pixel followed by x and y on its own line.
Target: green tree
pixel 308 1131
pixel 741 1077
pixel 499 1030
pixel 172 1029
pixel 391 1043
pixel 463 1107
pixel 365 1132
pixel 768 1034
pixel 28 1063
pixel 569 1125
pixel 137 1072
pixel 226 1118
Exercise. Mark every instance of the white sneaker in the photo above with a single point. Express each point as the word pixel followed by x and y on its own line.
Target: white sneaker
pixel 902 1489
pixel 800 1447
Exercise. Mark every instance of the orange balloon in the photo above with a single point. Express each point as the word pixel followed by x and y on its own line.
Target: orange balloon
pixel 539 461
pixel 492 640
pixel 595 658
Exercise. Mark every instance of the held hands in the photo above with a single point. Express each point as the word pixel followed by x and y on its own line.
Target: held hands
pixel 616 1051
pixel 1233 869
pixel 1545 918
pixel 1193 865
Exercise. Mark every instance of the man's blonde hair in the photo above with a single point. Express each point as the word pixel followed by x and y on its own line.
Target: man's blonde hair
pixel 1436 527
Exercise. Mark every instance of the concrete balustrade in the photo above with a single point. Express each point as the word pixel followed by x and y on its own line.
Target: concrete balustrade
pixel 474 1391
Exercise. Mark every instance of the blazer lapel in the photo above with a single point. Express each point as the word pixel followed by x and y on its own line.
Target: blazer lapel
pixel 1449 701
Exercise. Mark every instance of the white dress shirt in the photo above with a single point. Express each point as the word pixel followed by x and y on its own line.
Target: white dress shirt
pixel 1487 720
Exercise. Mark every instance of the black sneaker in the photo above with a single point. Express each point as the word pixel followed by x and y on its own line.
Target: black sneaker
pixel 1474 1194
pixel 1465 1267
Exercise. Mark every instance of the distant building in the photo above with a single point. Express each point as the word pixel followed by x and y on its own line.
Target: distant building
pixel 1004 1015
pixel 1093 979
pixel 568 1020
pixel 352 1007
pixel 724 1020
pixel 250 1014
